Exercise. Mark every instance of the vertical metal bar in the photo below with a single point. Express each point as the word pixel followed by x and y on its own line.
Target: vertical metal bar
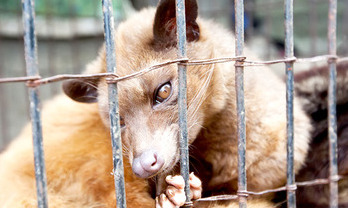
pixel 289 52
pixel 115 129
pixel 32 70
pixel 332 21
pixel 182 96
pixel 239 28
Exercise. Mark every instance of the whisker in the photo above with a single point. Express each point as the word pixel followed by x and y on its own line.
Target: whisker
pixel 195 104
pixel 204 87
pixel 90 83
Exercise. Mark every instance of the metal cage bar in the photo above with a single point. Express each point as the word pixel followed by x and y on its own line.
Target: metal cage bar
pixel 32 70
pixel 115 129
pixel 332 119
pixel 182 96
pixel 239 28
pixel 289 70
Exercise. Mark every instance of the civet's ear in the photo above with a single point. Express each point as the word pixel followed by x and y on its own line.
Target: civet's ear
pixel 164 28
pixel 84 91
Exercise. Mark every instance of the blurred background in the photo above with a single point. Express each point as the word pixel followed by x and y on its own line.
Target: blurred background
pixel 70 32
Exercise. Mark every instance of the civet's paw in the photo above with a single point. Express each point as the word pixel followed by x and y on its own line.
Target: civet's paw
pixel 174 195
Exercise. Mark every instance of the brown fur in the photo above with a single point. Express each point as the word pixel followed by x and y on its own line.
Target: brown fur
pixel 212 119
pixel 77 158
pixel 78 162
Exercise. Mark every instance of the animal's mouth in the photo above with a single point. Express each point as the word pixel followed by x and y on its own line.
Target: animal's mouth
pixel 145 174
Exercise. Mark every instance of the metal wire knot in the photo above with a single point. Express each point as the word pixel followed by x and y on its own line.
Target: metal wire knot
pixel 291 187
pixel 188 204
pixel 243 194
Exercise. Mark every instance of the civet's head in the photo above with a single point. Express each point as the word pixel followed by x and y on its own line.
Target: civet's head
pixel 148 103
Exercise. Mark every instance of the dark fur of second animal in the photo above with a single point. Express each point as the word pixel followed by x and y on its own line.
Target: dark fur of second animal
pixel 311 86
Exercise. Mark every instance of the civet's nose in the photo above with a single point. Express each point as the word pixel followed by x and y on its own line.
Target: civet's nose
pixel 147 164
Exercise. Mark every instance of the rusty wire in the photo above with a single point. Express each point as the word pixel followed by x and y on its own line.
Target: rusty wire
pixel 321 181
pixel 34 81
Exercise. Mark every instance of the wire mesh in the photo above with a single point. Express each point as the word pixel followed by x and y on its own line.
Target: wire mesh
pixel 33 81
pixel 112 77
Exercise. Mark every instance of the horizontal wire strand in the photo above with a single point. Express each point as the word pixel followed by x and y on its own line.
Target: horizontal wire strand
pixel 34 81
pixel 321 181
pixel 113 78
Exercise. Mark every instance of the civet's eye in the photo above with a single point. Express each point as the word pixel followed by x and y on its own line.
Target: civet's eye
pixel 162 93
pixel 122 124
